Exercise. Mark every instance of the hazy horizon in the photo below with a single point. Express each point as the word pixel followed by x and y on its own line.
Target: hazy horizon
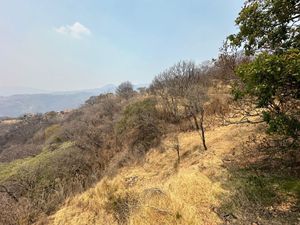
pixel 66 46
pixel 6 91
pixel 53 90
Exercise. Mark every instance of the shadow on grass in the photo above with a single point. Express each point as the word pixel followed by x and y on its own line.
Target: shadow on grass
pixel 263 190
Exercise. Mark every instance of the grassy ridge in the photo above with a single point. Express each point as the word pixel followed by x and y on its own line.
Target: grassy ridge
pixel 198 190
pixel 8 170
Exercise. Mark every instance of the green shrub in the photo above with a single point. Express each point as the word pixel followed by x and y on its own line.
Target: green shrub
pixel 139 125
pixel 274 81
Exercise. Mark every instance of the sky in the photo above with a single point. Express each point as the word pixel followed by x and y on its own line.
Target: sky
pixel 70 45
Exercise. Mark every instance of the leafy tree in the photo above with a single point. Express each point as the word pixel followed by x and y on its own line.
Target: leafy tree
pixel 275 82
pixel 269 30
pixel 268 25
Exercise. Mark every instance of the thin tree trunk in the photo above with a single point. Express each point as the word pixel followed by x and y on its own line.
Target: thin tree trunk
pixel 203 136
pixel 196 122
pixel 200 128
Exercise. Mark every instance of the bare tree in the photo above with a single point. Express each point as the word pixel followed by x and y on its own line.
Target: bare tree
pixel 183 86
pixel 171 86
pixel 125 90
pixel 194 107
pixel 228 60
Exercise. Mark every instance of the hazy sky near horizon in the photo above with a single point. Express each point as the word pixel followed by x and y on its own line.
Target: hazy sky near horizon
pixel 68 44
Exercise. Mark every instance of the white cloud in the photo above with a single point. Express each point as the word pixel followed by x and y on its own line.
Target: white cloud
pixel 77 30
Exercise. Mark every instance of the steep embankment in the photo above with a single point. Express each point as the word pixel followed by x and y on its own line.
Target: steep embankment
pixel 159 191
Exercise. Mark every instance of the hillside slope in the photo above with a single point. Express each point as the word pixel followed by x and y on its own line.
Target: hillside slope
pixel 159 191
pixel 14 102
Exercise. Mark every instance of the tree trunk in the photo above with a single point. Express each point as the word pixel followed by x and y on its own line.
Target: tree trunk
pixel 203 136
pixel 200 128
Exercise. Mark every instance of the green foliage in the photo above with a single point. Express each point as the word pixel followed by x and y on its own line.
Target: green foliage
pixel 134 112
pixel 139 125
pixel 237 92
pixel 52 130
pixel 268 25
pixel 282 124
pixel 274 79
pixel 14 168
pixel 271 29
pixel 45 180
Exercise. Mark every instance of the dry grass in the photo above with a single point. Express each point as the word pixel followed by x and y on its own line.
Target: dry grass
pixel 10 121
pixel 160 191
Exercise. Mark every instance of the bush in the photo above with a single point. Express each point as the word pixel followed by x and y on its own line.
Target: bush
pixel 139 125
pixel 274 80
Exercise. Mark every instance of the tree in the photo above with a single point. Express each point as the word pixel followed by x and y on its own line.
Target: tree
pixel 228 61
pixel 125 90
pixel 269 31
pixel 268 25
pixel 275 82
pixel 171 86
pixel 195 98
pixel 183 86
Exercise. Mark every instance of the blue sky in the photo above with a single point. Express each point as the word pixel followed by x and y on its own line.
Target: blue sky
pixel 68 44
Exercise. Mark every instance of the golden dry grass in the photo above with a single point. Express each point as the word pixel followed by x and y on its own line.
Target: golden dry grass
pixel 159 191
pixel 10 121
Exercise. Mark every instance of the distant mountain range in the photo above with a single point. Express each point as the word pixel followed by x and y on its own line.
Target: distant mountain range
pixel 15 102
pixel 8 91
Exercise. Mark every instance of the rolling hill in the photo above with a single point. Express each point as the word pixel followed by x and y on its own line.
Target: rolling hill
pixel 37 101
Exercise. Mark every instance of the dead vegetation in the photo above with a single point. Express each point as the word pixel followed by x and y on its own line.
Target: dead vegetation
pixel 197 192
pixel 136 158
pixel 151 166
